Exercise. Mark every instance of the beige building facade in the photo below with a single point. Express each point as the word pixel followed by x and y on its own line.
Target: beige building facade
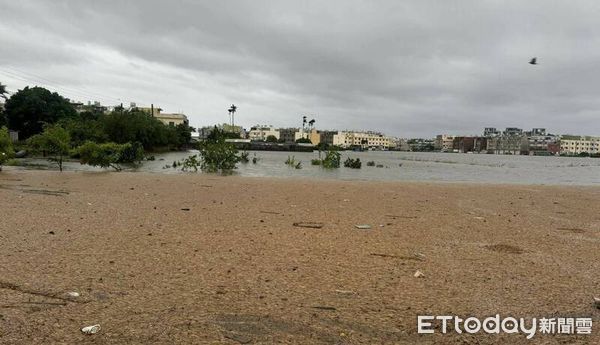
pixel 169 119
pixel 363 140
pixel 261 133
pixel 574 145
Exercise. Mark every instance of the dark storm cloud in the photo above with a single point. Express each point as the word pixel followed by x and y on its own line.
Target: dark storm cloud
pixel 408 68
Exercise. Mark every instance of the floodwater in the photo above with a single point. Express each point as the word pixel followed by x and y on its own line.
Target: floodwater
pixel 402 166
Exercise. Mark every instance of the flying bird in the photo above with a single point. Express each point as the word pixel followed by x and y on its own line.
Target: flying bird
pixel 533 61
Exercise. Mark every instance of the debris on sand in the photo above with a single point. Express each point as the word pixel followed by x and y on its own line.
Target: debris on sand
pixel 597 302
pixel 73 294
pixel 270 212
pixel 345 292
pixel 313 225
pixel 363 226
pixel 324 307
pixel 419 274
pixel 419 256
pixel 91 329
pixel 185 209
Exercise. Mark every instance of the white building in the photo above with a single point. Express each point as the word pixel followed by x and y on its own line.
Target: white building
pixel 363 140
pixel 261 133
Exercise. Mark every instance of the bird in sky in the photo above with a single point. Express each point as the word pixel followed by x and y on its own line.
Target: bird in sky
pixel 533 61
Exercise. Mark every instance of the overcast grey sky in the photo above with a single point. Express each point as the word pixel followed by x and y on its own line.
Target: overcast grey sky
pixel 407 68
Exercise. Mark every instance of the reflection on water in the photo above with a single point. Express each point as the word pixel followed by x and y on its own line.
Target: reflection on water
pixel 405 166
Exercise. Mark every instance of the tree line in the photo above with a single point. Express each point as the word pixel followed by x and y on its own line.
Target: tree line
pixel 30 109
pixel 50 125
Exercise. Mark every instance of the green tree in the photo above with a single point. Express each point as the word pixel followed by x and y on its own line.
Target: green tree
pixel 6 146
pixel 184 134
pixel 54 141
pixel 87 126
pixel 217 134
pixel 30 109
pixel 217 154
pixel 271 139
pixel 3 94
pixel 304 141
pixel 138 126
pixel 110 155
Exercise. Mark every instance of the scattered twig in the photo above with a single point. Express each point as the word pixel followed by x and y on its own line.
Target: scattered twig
pixel 313 225
pixel 15 287
pixel 415 256
pixel 50 303
pixel 324 307
pixel 406 217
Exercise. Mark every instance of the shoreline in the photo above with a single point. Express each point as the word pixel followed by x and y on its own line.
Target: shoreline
pixel 161 258
pixel 293 179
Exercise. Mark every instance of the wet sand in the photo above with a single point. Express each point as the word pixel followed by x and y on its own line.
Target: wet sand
pixel 201 259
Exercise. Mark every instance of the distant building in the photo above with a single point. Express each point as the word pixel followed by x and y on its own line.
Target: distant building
pixel 362 140
pixel 542 144
pixel 444 143
pixel 508 144
pixel 537 132
pixel 287 135
pixel 95 107
pixel 312 135
pixel 491 132
pixel 399 144
pixel 512 131
pixel 204 132
pixel 421 145
pixel 261 133
pixel 170 119
pixel 575 145
pixel 326 137
pixel 469 144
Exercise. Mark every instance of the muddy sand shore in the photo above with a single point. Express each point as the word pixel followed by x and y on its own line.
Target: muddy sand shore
pixel 201 259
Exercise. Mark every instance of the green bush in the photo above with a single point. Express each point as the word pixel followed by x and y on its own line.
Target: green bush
pixel 291 160
pixel 54 141
pixel 192 162
pixel 303 141
pixel 110 155
pixel 332 160
pixel 218 156
pixel 352 163
pixel 6 147
pixel 244 157
pixel 371 163
pixel 315 162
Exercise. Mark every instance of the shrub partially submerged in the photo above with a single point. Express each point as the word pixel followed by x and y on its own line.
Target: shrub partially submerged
pixel 352 163
pixel 110 155
pixel 54 141
pixel 332 160
pixel 218 156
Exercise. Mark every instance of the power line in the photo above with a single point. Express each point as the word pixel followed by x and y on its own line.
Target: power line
pixel 61 90
pixel 80 93
pixel 80 89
